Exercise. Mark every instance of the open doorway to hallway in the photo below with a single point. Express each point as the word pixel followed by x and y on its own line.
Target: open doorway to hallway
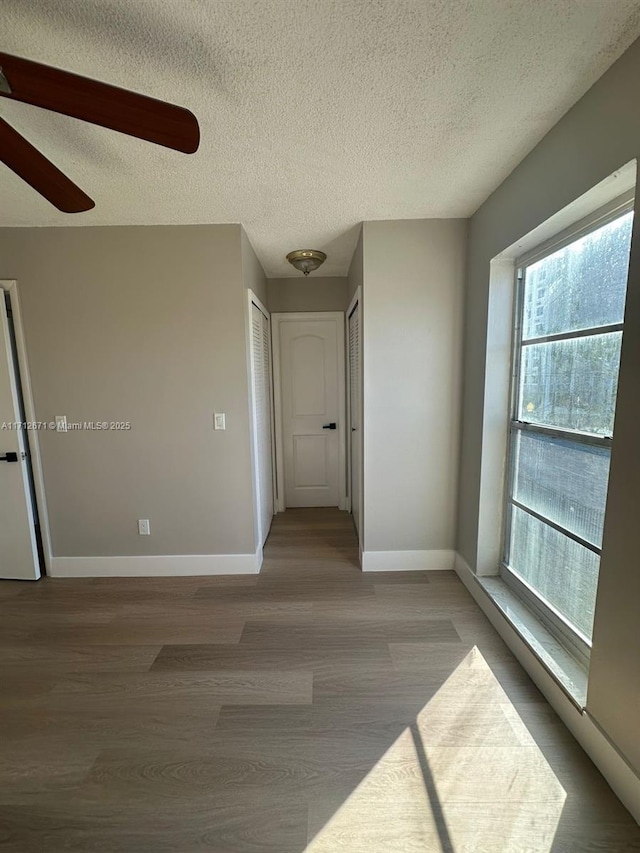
pixel 314 539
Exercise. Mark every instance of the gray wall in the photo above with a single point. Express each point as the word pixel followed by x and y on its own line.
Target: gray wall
pixel 140 324
pixel 252 271
pixel 307 294
pixel 413 286
pixel 597 136
pixel 254 279
pixel 356 270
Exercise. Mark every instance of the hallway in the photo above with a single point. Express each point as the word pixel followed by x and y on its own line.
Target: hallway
pixel 309 708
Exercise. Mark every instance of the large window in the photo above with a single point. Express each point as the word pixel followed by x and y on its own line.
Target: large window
pixel 570 312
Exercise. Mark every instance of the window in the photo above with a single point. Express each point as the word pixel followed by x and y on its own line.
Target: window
pixel 567 353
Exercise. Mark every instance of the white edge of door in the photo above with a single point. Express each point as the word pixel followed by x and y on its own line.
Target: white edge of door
pixel 257 521
pixel 277 411
pixel 11 286
pixel 276 320
pixel 356 302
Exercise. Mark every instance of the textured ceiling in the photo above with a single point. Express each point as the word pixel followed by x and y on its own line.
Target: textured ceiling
pixel 315 114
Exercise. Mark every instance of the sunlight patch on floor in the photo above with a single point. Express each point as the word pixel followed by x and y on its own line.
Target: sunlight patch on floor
pixel 460 780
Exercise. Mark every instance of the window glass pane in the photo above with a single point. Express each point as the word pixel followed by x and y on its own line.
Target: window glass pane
pixel 564 481
pixel 561 571
pixel 571 384
pixel 580 286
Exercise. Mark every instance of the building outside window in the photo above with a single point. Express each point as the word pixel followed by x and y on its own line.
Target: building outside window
pixel 569 326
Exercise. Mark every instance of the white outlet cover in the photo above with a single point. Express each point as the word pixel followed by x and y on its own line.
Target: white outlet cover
pixel 219 421
pixel 144 528
pixel 61 423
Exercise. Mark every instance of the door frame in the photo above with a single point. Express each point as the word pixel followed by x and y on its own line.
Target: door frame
pixel 10 286
pixel 356 302
pixel 254 300
pixel 276 320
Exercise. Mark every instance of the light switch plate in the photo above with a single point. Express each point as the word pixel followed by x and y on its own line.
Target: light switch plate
pixel 144 529
pixel 219 421
pixel 61 423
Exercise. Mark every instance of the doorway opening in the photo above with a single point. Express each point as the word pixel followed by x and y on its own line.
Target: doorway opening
pixel 22 548
pixel 317 543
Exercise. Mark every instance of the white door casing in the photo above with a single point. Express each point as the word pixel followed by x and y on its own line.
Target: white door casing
pixel 355 408
pixel 18 547
pixel 260 361
pixel 310 395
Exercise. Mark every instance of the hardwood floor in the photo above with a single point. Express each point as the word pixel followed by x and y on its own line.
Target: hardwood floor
pixel 311 708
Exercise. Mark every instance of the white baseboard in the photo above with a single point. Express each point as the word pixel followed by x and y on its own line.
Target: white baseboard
pixel 164 565
pixel 615 769
pixel 407 561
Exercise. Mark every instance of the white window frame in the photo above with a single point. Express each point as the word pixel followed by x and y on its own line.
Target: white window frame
pixel 566 633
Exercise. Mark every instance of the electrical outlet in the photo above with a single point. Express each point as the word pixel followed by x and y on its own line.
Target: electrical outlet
pixel 61 423
pixel 219 421
pixel 143 527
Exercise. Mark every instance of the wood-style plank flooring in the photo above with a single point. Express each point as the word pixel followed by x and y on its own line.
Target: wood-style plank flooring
pixel 310 708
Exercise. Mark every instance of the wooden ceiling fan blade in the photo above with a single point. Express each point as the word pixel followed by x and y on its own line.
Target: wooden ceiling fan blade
pixel 34 168
pixel 99 103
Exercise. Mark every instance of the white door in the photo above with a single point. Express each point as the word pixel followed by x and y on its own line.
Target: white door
pixel 355 409
pixel 261 377
pixel 311 363
pixel 18 549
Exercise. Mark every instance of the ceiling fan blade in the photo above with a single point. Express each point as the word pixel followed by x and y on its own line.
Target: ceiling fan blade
pixel 34 168
pixel 99 103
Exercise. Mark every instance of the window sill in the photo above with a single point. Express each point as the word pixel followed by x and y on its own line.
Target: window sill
pixel 569 673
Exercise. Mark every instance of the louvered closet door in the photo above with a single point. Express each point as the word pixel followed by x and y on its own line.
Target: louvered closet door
pixel 261 367
pixel 355 404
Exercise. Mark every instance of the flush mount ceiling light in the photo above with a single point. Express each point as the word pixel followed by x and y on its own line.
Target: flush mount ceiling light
pixel 306 260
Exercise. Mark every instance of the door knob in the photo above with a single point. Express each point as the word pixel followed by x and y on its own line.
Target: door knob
pixel 330 426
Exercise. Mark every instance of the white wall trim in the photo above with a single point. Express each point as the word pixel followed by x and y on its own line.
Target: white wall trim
pixel 280 504
pixel 407 561
pixel 494 470
pixel 357 297
pixel 620 776
pixel 11 286
pixel 253 298
pixel 260 535
pixel 356 302
pixel 162 565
